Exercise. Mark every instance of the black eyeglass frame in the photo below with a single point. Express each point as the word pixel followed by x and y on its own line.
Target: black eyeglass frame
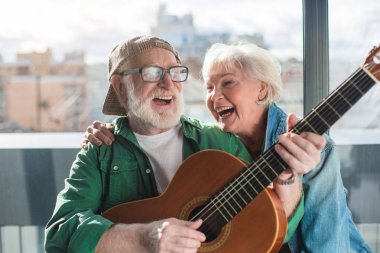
pixel 140 70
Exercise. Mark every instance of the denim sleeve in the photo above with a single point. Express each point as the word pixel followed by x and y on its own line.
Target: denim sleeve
pixel 327 222
pixel 75 225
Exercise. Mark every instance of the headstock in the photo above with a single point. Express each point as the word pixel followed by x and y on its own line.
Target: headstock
pixel 372 62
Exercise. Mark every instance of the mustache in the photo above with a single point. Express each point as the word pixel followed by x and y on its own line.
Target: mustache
pixel 159 92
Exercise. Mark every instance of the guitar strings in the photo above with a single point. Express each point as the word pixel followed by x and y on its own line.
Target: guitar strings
pixel 256 172
pixel 237 191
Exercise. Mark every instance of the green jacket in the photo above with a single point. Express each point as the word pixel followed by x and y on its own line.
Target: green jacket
pixel 98 175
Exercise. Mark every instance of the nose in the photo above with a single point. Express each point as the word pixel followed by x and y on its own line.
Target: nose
pixel 166 80
pixel 216 94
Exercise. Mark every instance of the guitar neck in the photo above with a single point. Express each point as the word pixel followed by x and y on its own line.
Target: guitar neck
pixel 333 107
pixel 245 187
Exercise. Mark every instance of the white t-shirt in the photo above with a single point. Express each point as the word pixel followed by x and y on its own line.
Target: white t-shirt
pixel 164 151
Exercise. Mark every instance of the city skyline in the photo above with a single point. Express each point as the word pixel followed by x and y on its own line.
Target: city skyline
pixel 96 26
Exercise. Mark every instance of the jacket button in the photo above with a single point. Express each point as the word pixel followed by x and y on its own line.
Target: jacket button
pixel 147 171
pixel 115 168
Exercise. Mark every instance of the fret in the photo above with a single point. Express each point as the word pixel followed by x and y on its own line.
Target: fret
pixel 321 117
pixel 344 98
pixel 220 212
pixel 357 88
pixel 253 188
pixel 257 180
pixel 311 127
pixel 234 196
pixel 279 162
pixel 265 176
pixel 326 102
pixel 227 200
pixel 366 81
pixel 270 167
pixel 244 187
pixel 237 192
pixel 223 206
pixel 243 184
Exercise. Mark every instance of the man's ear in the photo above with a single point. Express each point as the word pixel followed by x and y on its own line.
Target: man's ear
pixel 119 88
pixel 115 81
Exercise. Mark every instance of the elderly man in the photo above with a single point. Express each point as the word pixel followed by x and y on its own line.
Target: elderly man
pixel 151 141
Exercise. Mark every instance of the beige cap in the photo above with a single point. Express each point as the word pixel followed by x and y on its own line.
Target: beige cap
pixel 117 63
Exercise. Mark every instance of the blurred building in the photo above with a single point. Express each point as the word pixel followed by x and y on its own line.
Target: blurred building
pixel 185 37
pixel 192 46
pixel 40 94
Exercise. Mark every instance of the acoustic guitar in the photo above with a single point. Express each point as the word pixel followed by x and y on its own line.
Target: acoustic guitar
pixel 239 213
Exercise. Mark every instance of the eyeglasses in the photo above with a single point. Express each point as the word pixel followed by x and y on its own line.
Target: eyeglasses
pixel 152 74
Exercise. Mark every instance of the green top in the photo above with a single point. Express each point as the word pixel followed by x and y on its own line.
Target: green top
pixel 99 173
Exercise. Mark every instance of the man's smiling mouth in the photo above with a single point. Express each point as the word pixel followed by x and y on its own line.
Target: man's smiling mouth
pixel 163 100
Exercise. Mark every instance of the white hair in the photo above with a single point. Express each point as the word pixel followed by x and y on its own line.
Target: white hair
pixel 256 61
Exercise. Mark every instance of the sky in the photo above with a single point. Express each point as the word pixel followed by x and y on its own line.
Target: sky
pixel 95 26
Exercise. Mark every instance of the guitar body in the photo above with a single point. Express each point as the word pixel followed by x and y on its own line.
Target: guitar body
pixel 260 227
pixel 201 185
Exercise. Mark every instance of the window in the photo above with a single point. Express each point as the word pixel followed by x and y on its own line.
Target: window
pixel 354 29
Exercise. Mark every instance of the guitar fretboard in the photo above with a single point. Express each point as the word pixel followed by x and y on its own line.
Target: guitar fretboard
pixel 227 203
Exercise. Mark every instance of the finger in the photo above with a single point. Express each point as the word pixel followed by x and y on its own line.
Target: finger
pixel 307 146
pixel 99 133
pixel 288 158
pixel 96 124
pixel 110 127
pixel 317 140
pixel 300 154
pixel 84 144
pixel 94 140
pixel 107 130
pixel 185 229
pixel 195 224
pixel 181 242
pixel 295 151
pixel 180 236
pixel 293 143
pixel 291 121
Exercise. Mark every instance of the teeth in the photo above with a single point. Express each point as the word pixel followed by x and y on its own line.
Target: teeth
pixel 165 98
pixel 222 108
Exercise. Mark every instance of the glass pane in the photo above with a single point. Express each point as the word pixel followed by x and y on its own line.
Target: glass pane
pixel 53 78
pixel 354 31
pixel 53 68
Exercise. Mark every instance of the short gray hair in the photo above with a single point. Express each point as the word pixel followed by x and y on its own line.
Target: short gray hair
pixel 258 63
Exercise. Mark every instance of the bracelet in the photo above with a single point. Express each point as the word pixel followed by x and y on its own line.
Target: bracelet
pixel 288 181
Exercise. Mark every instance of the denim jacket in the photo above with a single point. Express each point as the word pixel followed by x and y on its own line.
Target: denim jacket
pixel 327 225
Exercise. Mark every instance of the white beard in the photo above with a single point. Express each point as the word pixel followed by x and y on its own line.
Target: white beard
pixel 141 108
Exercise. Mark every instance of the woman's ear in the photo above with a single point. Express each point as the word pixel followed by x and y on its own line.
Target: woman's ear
pixel 263 90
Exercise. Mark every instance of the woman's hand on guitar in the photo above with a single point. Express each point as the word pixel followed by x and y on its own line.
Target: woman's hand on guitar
pixel 301 152
pixel 98 133
pixel 173 235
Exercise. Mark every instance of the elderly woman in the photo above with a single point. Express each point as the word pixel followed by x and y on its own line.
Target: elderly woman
pixel 243 82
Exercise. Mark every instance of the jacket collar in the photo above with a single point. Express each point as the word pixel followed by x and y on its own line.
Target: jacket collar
pixel 276 125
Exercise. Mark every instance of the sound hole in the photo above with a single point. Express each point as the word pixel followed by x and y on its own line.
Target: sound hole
pixel 210 226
